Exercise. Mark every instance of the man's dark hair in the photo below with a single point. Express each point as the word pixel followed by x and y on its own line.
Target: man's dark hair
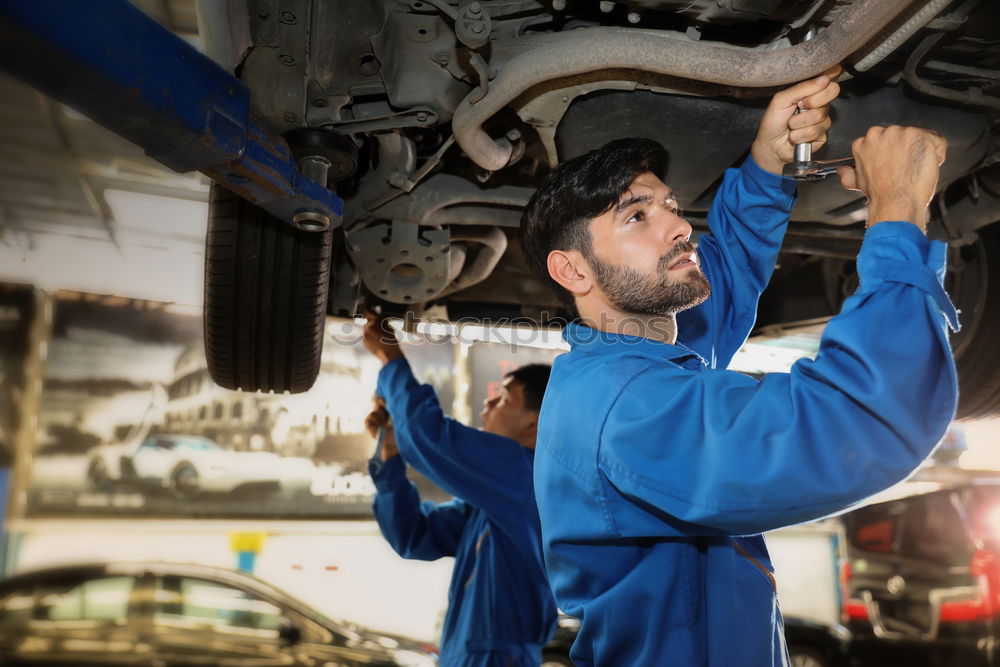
pixel 557 216
pixel 534 378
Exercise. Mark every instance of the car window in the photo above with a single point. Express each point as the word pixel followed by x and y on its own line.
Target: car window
pixel 876 528
pixel 194 446
pixel 934 531
pixel 15 609
pixel 104 599
pixel 207 604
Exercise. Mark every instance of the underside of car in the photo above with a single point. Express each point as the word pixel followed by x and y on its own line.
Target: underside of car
pixel 434 120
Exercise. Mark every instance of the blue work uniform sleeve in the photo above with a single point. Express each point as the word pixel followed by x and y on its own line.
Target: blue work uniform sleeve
pixel 724 451
pixel 422 531
pixel 747 222
pixel 486 470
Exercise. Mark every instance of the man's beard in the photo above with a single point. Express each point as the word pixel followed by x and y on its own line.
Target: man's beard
pixel 632 292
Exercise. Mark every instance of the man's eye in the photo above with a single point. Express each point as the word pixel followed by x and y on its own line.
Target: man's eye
pixel 638 216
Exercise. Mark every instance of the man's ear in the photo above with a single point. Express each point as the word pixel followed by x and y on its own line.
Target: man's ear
pixel 570 270
pixel 530 430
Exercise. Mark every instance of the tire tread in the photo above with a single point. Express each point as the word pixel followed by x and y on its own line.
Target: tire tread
pixel 266 287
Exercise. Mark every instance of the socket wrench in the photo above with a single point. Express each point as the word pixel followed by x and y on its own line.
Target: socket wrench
pixel 813 170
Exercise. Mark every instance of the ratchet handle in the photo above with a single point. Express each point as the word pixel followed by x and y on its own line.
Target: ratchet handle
pixel 803 152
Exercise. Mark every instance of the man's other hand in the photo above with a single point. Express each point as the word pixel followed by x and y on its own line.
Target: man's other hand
pixel 897 168
pixel 377 419
pixel 380 339
pixel 781 127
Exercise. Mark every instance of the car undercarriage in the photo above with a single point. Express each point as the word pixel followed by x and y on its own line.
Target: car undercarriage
pixel 434 121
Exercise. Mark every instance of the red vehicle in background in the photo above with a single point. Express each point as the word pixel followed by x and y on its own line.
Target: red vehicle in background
pixel 921 582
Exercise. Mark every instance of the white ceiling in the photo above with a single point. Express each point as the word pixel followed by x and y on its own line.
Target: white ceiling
pixel 83 209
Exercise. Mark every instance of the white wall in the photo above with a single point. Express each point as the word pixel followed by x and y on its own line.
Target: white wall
pixel 806 570
pixel 342 568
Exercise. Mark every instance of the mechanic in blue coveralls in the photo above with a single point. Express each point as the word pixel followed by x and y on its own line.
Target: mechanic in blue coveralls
pixel 656 469
pixel 500 608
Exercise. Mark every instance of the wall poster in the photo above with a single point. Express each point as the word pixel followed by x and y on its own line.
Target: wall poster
pixel 131 424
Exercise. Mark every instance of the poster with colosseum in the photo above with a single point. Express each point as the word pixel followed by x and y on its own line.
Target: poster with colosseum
pixel 131 424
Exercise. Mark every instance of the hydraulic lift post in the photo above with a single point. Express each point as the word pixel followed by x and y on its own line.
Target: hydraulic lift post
pixel 117 66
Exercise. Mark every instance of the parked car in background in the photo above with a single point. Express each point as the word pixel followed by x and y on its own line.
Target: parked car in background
pixel 188 465
pixel 922 578
pixel 151 613
pixel 810 643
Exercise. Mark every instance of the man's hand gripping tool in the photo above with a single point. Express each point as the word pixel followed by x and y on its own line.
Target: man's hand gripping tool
pixel 804 168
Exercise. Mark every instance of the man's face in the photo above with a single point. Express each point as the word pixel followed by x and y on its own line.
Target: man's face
pixel 505 414
pixel 640 254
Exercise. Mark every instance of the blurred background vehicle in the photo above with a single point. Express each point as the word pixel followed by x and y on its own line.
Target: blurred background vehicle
pixel 922 578
pixel 152 613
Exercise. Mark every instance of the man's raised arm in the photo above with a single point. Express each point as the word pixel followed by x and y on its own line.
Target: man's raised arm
pixel 748 219
pixel 422 531
pixel 470 464
pixel 860 417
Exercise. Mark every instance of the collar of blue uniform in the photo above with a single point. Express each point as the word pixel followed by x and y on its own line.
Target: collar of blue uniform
pixel 582 336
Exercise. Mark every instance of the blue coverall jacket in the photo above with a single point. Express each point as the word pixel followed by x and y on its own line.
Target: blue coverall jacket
pixel 656 470
pixel 500 609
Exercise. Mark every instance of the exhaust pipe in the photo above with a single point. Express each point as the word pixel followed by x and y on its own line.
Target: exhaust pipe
pixel 591 49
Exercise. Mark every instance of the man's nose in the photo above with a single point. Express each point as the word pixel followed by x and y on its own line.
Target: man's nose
pixel 673 227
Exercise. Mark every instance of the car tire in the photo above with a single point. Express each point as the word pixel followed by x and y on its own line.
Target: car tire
pixel 266 287
pixel 975 290
pixel 184 482
pixel 98 477
pixel 806 656
pixel 555 659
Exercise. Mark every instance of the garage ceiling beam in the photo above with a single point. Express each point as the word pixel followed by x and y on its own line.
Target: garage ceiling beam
pixel 123 70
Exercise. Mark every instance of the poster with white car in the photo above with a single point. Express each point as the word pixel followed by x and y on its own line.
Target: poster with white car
pixel 131 424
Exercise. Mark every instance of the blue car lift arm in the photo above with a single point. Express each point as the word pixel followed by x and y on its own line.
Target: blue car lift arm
pixel 123 70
